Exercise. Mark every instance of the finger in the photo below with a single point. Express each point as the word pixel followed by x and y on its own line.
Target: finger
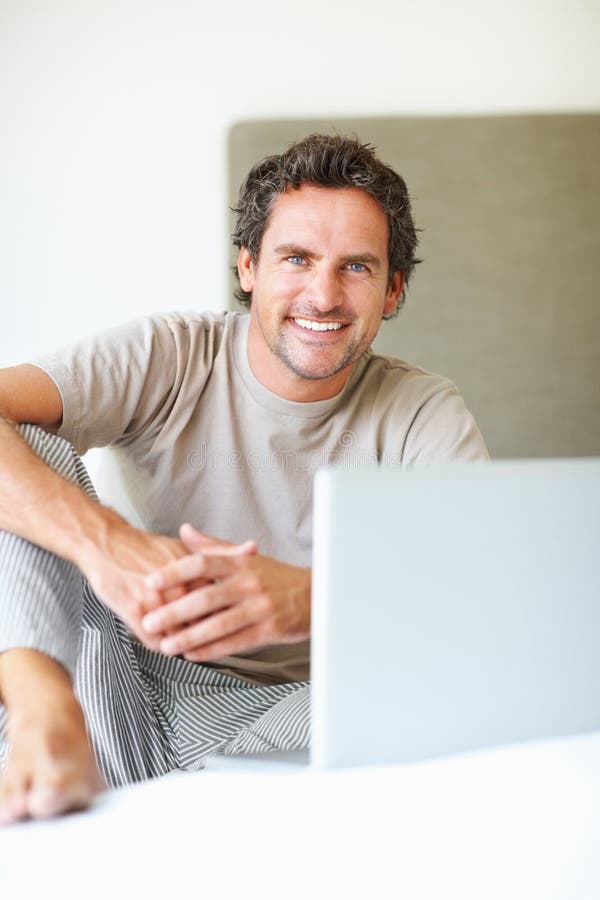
pixel 134 623
pixel 181 571
pixel 150 641
pixel 148 597
pixel 196 565
pixel 173 593
pixel 187 532
pixel 131 613
pixel 197 540
pixel 195 605
pixel 242 641
pixel 211 629
pixel 248 548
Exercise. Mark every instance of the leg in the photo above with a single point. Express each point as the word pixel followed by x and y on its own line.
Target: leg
pixel 147 714
pixel 205 711
pixel 48 606
pixel 49 765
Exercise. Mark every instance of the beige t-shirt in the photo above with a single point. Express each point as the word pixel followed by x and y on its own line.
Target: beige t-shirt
pixel 198 439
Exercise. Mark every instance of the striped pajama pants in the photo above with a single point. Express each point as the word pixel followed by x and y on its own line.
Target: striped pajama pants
pixel 147 714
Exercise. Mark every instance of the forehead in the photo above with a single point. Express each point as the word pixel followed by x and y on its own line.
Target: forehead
pixel 323 214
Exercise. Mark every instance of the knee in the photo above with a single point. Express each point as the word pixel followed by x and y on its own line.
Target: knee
pixel 59 454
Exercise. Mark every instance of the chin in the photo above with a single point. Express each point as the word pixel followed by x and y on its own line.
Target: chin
pixel 316 372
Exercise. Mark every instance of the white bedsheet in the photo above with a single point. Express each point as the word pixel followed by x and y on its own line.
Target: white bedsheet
pixel 518 822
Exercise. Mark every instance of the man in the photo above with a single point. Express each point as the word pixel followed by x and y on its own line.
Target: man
pixel 178 647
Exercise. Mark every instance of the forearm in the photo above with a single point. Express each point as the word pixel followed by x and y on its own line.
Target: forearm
pixel 43 507
pixel 38 504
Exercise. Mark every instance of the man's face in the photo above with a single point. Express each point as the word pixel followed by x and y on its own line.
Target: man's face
pixel 319 289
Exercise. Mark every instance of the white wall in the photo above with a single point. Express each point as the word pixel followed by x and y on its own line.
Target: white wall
pixel 114 116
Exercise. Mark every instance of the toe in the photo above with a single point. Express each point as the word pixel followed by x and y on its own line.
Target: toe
pixel 13 799
pixel 46 802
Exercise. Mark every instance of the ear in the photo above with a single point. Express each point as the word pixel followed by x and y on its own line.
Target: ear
pixel 245 267
pixel 394 293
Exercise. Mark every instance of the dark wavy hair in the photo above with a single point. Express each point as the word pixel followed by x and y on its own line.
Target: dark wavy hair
pixel 335 161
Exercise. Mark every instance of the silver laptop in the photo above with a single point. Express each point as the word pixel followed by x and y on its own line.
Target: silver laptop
pixel 453 609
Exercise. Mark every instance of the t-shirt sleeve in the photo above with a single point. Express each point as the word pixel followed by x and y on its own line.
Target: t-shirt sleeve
pixel 443 431
pixel 123 382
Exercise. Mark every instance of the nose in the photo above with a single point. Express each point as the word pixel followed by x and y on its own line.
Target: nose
pixel 324 290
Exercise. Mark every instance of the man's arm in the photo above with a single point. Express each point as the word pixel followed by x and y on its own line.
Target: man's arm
pixel 39 505
pixel 28 394
pixel 267 602
pixel 35 502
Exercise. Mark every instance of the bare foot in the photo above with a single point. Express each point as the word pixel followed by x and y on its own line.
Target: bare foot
pixel 51 768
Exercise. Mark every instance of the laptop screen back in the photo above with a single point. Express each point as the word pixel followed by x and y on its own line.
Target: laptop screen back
pixel 454 608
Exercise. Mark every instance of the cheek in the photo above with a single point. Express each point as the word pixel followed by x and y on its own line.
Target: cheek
pixel 377 296
pixel 287 284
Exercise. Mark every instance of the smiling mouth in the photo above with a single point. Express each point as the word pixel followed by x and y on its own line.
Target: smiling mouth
pixel 312 325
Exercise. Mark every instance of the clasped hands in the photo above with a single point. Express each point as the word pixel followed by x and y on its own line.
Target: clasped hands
pixel 223 599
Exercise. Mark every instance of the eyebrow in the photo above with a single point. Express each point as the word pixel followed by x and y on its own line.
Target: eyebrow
pixel 296 250
pixel 292 250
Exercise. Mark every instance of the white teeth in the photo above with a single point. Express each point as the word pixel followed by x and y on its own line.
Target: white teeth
pixel 318 326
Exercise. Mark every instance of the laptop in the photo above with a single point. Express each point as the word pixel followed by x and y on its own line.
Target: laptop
pixel 454 609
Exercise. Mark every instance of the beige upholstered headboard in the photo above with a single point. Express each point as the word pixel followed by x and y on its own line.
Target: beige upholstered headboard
pixel 507 300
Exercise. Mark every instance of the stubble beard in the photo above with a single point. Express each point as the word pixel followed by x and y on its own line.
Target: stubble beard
pixel 281 348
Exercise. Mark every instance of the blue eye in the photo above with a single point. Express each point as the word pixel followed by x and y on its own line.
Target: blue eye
pixel 296 260
pixel 357 267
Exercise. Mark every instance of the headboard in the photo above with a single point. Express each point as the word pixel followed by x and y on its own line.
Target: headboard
pixel 507 300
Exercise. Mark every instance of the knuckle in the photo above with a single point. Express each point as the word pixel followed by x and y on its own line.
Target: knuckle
pixel 266 603
pixel 253 582
pixel 196 563
pixel 240 565
pixel 207 598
